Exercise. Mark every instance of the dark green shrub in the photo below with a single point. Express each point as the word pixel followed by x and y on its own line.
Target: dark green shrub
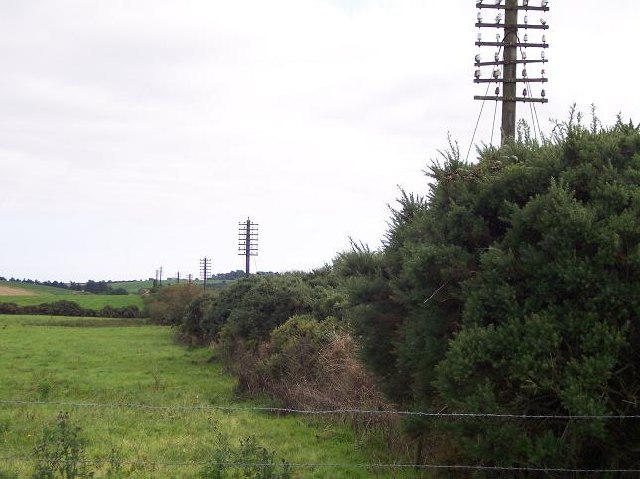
pixel 9 308
pixel 513 288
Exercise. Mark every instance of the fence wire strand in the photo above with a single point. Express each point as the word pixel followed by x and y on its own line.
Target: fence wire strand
pixel 388 466
pixel 336 465
pixel 317 412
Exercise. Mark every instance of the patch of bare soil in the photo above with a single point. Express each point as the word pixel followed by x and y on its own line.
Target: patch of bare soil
pixel 9 291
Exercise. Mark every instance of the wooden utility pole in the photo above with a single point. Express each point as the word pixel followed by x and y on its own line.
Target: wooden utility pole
pixel 514 53
pixel 205 271
pixel 247 242
pixel 509 70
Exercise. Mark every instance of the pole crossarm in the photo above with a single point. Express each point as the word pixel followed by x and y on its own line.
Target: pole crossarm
pixel 523 26
pixel 523 99
pixel 501 62
pixel 512 44
pixel 514 80
pixel 519 7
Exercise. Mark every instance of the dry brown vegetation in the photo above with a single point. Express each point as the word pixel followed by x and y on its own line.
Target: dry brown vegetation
pixel 320 377
pixel 10 291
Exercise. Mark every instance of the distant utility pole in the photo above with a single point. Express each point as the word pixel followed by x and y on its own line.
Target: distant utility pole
pixel 160 270
pixel 155 283
pixel 514 52
pixel 190 278
pixel 247 242
pixel 178 277
pixel 205 270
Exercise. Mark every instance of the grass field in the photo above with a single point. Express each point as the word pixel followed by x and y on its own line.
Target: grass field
pixel 45 294
pixel 101 361
pixel 133 286
pixel 136 286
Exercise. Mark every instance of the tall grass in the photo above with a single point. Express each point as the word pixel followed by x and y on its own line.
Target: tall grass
pixel 41 361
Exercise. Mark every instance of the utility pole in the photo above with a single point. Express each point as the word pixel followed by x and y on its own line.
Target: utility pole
pixel 505 71
pixel 178 277
pixel 190 278
pixel 509 70
pixel 205 270
pixel 160 270
pixel 247 242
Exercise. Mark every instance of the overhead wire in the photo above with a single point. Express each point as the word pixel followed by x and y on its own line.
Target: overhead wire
pixel 480 115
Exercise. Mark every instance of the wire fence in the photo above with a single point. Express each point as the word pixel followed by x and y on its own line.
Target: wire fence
pixel 156 464
pixel 279 410
pixel 312 412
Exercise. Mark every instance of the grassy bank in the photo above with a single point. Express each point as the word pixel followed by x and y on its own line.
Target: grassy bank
pixel 95 361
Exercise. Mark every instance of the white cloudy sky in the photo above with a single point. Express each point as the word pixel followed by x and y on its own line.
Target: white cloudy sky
pixel 138 133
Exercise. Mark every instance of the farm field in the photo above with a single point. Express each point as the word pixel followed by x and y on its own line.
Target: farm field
pixel 32 294
pixel 54 365
pixel 134 287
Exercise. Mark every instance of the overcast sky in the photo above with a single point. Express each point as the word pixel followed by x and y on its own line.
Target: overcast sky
pixel 137 134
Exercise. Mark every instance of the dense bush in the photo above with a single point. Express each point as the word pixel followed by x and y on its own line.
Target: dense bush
pixel 513 288
pixel 190 328
pixel 167 305
pixel 248 309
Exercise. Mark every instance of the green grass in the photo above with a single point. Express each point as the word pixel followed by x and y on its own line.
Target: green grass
pixel 132 286
pixel 99 361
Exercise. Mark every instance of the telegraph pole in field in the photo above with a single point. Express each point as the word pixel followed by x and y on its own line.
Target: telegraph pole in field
pixel 205 270
pixel 514 49
pixel 247 242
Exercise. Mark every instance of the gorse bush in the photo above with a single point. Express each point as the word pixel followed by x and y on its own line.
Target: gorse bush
pixel 247 310
pixel 512 287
